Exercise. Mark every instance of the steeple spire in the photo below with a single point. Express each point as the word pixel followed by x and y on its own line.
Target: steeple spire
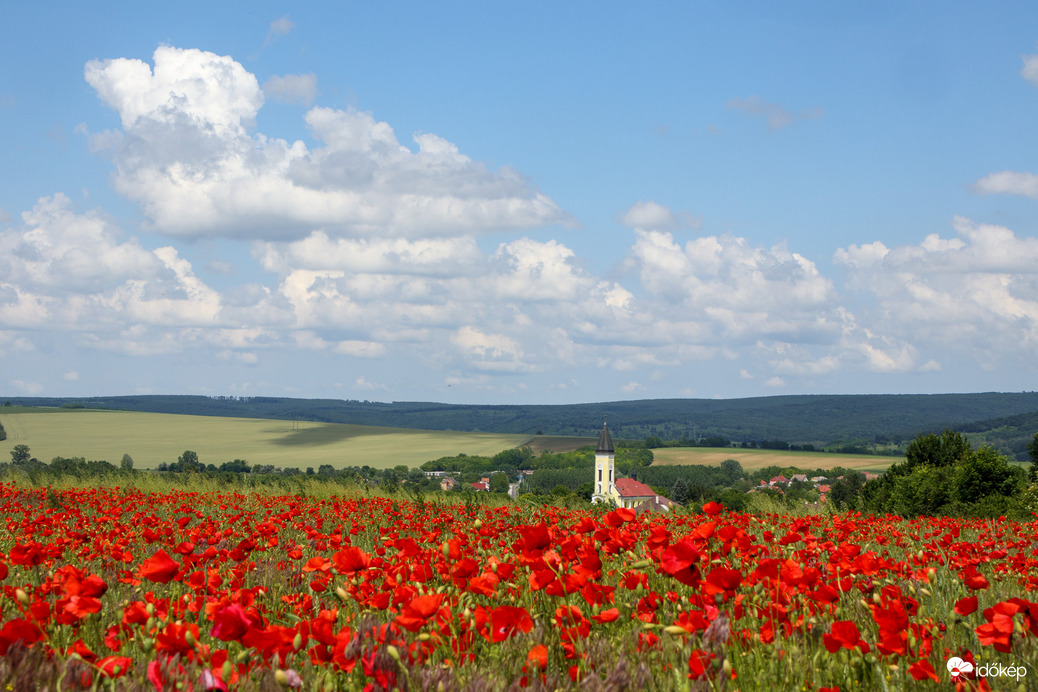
pixel 605 443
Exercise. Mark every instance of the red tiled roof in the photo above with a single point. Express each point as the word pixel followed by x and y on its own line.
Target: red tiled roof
pixel 480 486
pixel 657 503
pixel 628 487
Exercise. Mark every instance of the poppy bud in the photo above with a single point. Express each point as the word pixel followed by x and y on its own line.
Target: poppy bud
pixel 424 637
pixel 727 668
pixel 675 629
pixel 445 549
pixel 226 671
pixel 189 637
pixel 925 592
pixel 146 644
pixel 393 652
pixel 22 597
pixel 150 609
pixel 341 593
pixel 478 523
pixel 243 657
pixel 641 564
pixel 297 641
pixel 281 678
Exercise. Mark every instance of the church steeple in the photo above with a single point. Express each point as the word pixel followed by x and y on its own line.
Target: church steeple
pixel 605 472
pixel 605 443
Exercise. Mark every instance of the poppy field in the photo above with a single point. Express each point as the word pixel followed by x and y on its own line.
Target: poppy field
pixel 114 588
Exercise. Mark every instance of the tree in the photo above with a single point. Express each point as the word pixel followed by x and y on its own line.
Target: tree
pixel 843 492
pixel 732 470
pixel 679 493
pixel 127 463
pixel 941 451
pixel 20 454
pixel 499 483
pixel 1032 450
pixel 982 473
pixel 653 442
pixel 188 460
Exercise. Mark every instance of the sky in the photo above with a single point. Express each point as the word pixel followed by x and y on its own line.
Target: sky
pixel 534 202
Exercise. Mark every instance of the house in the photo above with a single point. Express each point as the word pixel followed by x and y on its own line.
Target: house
pixel 481 486
pixel 657 503
pixel 819 479
pixel 448 483
pixel 871 476
pixel 633 492
pixel 779 480
pixel 799 478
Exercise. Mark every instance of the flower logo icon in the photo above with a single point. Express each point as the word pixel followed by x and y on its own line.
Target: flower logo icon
pixel 956 666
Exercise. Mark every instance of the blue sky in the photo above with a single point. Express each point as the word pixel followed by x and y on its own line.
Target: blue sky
pixel 537 203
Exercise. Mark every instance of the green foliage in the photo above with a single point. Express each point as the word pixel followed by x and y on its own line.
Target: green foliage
pixel 20 454
pixel 925 491
pixel 126 463
pixel 1032 451
pixel 985 473
pixel 944 450
pixel 3 433
pixel 843 492
pixel 943 475
pixel 498 483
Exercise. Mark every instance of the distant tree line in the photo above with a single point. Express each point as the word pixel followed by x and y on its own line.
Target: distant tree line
pixel 942 475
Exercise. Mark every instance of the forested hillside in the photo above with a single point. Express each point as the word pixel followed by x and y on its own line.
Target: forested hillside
pixel 823 419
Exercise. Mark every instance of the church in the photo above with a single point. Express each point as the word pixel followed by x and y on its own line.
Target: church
pixel 623 492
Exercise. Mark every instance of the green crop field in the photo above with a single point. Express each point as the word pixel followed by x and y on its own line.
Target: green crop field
pixel 153 438
pixel 752 459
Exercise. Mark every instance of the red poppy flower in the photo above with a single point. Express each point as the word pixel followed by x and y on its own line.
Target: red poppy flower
pixel 231 622
pixel 966 606
pixel 922 670
pixel 712 508
pixel 159 568
pixel 351 560
pixel 843 634
pixel 115 666
pixel 506 621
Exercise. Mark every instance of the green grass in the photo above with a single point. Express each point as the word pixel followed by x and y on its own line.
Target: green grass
pixel 753 459
pixel 152 438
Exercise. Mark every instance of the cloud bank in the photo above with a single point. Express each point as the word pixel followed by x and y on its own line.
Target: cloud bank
pixel 419 264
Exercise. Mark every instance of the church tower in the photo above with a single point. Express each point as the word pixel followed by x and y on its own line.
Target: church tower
pixel 605 475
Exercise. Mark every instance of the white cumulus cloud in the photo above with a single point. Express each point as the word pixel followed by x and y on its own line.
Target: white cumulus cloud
pixel 188 155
